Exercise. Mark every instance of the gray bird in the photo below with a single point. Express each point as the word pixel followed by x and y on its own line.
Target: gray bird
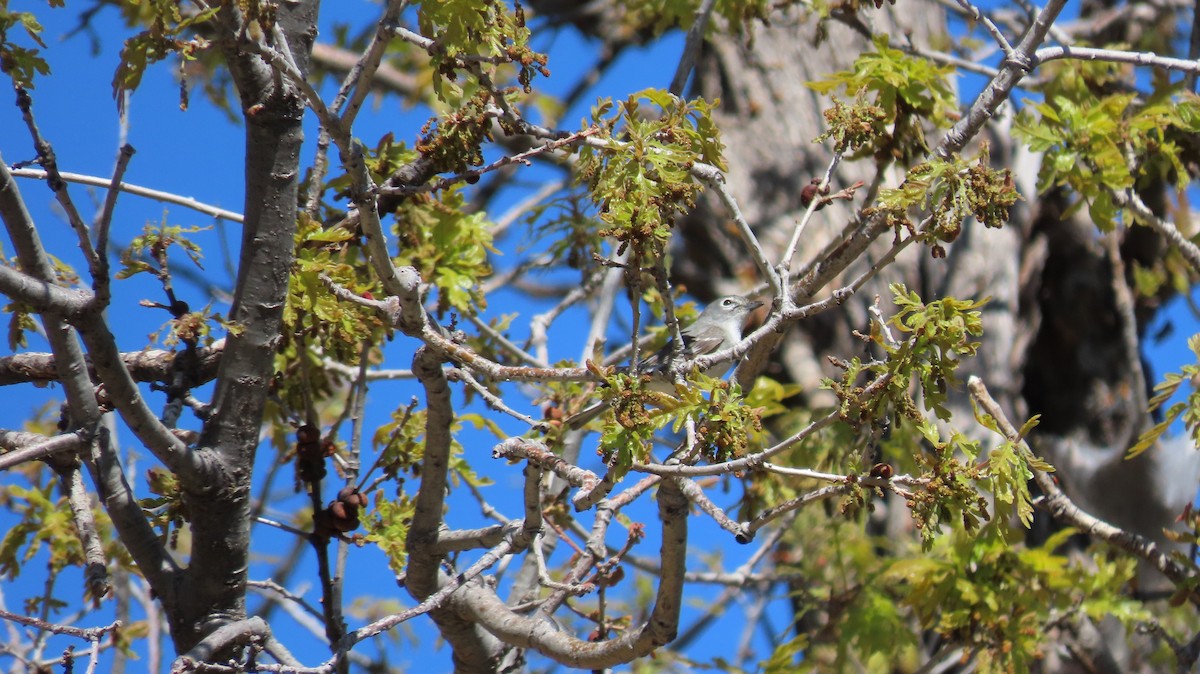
pixel 718 327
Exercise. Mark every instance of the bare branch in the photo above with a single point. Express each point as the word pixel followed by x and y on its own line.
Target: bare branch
pixel 1016 65
pixel 144 366
pixel 494 401
pixel 1189 250
pixel 424 579
pixel 362 74
pixel 47 158
pixel 992 29
pixel 23 447
pixel 83 407
pixel 691 47
pixel 41 295
pixel 538 454
pixel 95 570
pixel 1047 54
pixel 716 181
pixel 136 190
pixel 484 608
pixel 785 263
pixel 88 633
pixel 104 223
pixel 246 631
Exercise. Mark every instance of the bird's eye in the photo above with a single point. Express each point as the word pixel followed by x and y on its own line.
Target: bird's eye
pixel 728 302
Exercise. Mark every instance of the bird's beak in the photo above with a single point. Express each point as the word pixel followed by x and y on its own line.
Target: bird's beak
pixel 755 304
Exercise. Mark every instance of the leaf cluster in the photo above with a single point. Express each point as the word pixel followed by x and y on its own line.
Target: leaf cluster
pixel 1188 410
pixel 43 520
pixel 640 179
pixel 471 28
pixel 401 446
pixel 150 253
pixel 454 141
pixel 729 428
pixel 940 333
pixel 951 190
pixel 448 246
pixel 154 244
pixel 951 497
pixel 20 323
pixel 997 600
pixel 1096 142
pixel 387 526
pixel 1009 468
pixel 166 510
pixel 167 33
pixel 854 126
pixel 639 411
pixel 903 92
pixel 314 316
pixel 20 63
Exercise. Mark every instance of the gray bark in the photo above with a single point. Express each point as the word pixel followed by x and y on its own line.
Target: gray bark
pixel 215 580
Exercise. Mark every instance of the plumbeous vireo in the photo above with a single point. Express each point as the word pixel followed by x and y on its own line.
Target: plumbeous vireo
pixel 718 327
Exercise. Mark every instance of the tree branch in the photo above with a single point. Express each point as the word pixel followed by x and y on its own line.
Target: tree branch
pixel 88 633
pixel 1047 54
pixel 83 408
pixel 1060 506
pixel 471 650
pixel 40 295
pixel 95 571
pixel 136 190
pixel 22 447
pixel 144 366
pixel 239 632
pixel 482 606
pixel 1016 65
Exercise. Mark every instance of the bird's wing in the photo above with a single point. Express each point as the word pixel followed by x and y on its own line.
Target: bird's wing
pixel 693 346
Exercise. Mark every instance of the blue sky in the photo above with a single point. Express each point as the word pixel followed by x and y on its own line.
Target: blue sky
pixel 199 153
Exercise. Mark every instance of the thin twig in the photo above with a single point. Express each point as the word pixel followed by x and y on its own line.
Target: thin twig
pixel 136 190
pixel 494 401
pixel 716 180
pixel 785 264
pixel 88 633
pixel 104 222
pixel 1047 54
pixel 1189 250
pixel 988 25
pixel 691 47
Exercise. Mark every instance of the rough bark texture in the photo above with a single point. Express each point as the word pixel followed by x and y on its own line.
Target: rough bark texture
pixel 213 586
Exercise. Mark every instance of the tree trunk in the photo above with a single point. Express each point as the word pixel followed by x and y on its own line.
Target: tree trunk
pixel 214 583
